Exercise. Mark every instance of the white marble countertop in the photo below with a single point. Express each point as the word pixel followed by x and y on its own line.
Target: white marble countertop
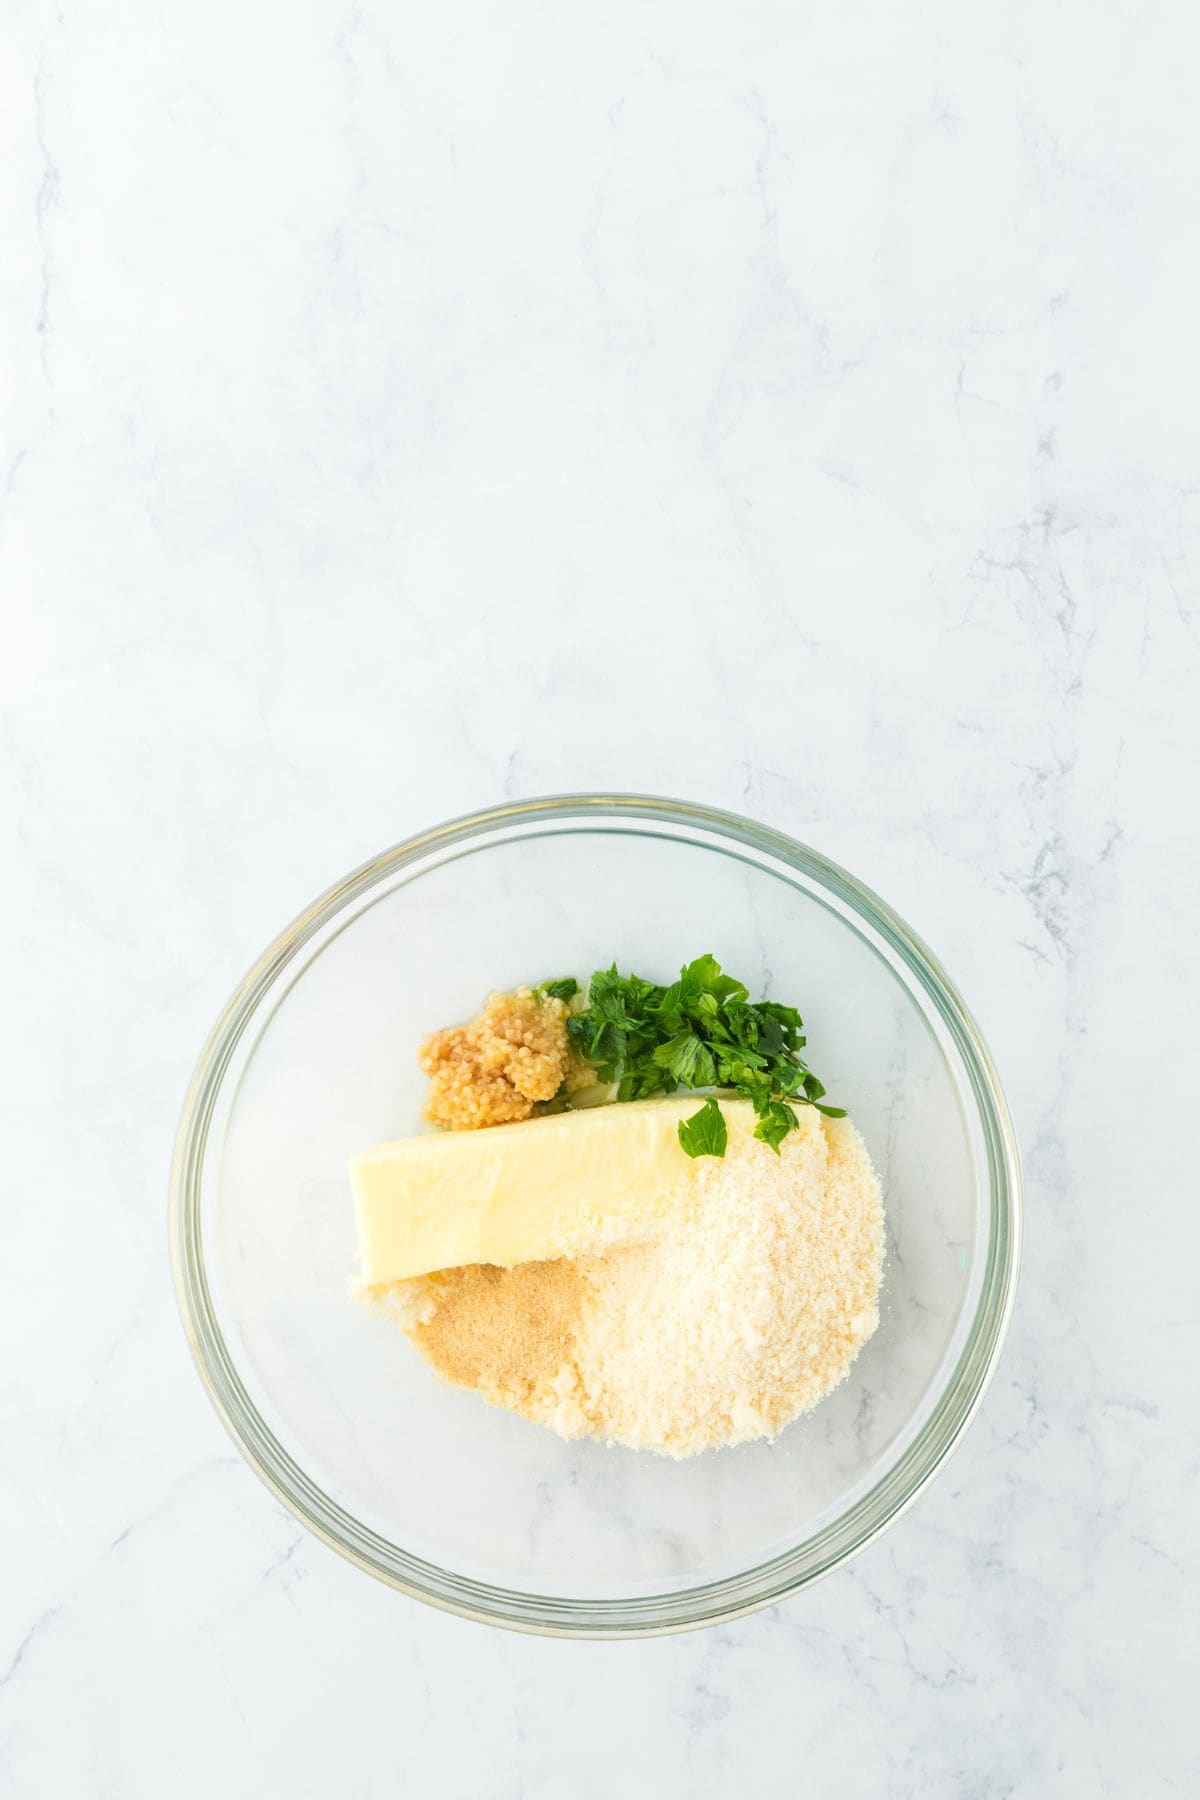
pixel 790 408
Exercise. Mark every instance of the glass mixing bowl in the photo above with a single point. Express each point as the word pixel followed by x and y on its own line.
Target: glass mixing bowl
pixel 426 1486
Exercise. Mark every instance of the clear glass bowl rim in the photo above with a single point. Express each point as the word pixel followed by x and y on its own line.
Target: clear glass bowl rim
pixel 646 1615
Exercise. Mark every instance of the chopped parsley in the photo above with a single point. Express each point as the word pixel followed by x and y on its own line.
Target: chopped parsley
pixel 704 1134
pixel 564 989
pixel 703 1031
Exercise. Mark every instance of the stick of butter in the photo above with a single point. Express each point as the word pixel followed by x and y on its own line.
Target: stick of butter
pixel 561 1185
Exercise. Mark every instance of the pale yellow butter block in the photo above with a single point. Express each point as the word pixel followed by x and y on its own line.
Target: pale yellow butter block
pixel 556 1186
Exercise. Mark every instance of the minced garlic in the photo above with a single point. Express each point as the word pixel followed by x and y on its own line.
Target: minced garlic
pixel 496 1069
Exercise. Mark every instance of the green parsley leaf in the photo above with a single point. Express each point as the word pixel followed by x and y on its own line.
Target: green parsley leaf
pixel 566 989
pixel 705 1133
pixel 703 976
pixel 688 1060
pixel 775 1123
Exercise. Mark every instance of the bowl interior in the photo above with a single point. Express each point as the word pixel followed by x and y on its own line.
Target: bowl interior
pixel 326 1066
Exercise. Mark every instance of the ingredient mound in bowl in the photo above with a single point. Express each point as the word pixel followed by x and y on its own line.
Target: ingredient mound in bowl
pixel 721 1320
pixel 499 1067
pixel 746 1309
